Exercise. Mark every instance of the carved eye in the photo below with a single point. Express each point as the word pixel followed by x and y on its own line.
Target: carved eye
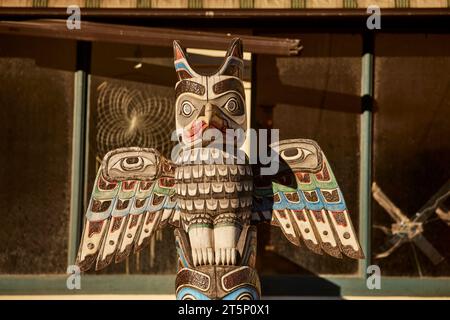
pixel 187 109
pixel 232 105
pixel 132 163
pixel 295 154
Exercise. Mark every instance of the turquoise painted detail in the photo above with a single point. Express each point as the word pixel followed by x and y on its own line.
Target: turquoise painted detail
pixel 233 295
pixel 197 295
pixel 242 290
pixel 181 255
pixel 267 203
pixel 181 65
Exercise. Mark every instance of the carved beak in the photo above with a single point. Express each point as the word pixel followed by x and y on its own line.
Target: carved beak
pixel 213 117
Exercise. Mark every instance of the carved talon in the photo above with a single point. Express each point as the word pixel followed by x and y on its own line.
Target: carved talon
pixel 226 256
pixel 202 256
pixel 201 243
pixel 225 240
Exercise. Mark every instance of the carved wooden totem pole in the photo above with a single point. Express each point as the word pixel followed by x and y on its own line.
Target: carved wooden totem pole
pixel 210 197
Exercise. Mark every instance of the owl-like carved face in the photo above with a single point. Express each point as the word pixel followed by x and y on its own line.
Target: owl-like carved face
pixel 209 102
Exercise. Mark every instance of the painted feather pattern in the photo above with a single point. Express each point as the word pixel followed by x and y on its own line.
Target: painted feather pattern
pixel 124 212
pixel 305 201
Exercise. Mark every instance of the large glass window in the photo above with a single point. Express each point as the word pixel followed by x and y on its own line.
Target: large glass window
pixel 313 96
pixel 36 110
pixel 411 144
pixel 316 95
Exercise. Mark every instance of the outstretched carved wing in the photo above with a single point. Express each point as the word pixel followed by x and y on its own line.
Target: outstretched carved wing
pixel 133 196
pixel 305 201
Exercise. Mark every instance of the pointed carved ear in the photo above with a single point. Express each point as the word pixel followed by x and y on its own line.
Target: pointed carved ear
pixel 235 49
pixel 182 67
pixel 234 63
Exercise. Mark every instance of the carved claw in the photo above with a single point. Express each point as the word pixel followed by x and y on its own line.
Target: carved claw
pixel 201 246
pixel 226 256
pixel 202 256
pixel 225 241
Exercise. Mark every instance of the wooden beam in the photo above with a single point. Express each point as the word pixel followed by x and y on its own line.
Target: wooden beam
pixel 92 31
pixel 136 13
